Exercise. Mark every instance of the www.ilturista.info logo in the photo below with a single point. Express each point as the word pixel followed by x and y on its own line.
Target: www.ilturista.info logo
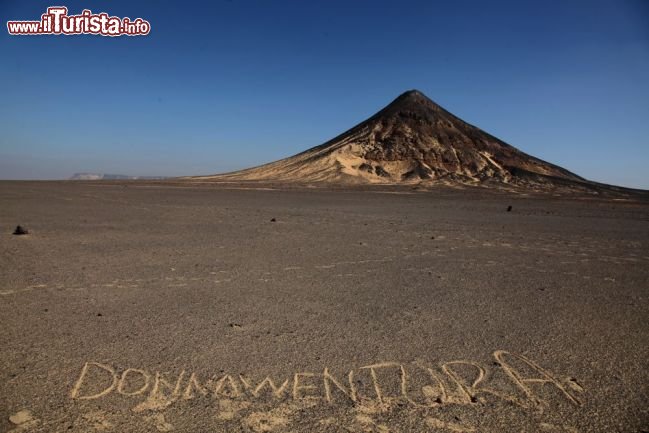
pixel 56 22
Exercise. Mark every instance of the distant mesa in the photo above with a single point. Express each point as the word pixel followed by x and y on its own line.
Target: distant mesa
pixel 411 141
pixel 101 176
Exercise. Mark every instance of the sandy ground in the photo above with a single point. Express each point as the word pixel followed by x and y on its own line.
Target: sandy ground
pixel 141 308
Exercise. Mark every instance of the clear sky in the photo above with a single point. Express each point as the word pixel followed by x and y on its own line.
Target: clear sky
pixel 221 85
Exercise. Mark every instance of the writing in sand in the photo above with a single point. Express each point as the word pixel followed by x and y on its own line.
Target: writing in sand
pixel 510 377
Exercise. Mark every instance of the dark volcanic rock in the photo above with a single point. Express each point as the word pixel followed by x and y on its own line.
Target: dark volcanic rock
pixel 366 167
pixel 20 230
pixel 380 171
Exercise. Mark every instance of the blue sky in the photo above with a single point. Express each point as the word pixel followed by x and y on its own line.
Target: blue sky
pixel 221 85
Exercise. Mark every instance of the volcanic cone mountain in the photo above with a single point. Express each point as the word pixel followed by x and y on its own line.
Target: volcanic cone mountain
pixel 412 140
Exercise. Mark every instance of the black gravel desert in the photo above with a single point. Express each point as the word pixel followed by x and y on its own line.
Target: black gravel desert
pixel 183 306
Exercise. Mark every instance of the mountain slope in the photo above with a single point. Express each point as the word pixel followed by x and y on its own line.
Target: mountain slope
pixel 412 140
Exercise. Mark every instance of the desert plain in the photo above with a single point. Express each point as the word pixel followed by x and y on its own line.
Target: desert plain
pixel 186 307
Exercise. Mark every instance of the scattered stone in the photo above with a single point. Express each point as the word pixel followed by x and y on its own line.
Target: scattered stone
pixel 273 220
pixel 432 237
pixel 20 230
pixel 235 325
pixel 22 417
pixel 99 314
pixel 509 208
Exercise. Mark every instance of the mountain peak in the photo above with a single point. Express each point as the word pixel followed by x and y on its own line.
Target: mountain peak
pixel 413 92
pixel 411 101
pixel 413 95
